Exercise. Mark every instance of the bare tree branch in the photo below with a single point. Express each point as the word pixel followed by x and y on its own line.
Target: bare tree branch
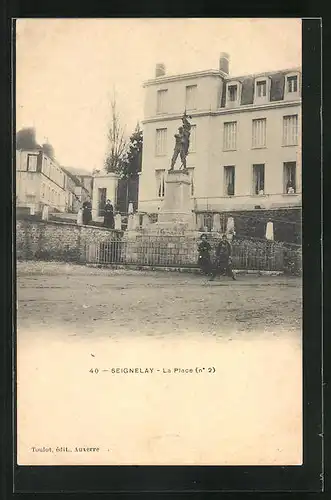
pixel 117 142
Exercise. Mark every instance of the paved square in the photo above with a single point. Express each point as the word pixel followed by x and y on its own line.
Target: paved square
pixel 91 301
pixel 72 319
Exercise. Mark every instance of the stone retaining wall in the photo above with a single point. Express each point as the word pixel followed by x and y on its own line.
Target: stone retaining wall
pixel 87 244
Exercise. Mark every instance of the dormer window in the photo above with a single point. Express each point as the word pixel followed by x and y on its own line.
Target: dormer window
pixel 292 86
pixel 262 90
pixel 233 94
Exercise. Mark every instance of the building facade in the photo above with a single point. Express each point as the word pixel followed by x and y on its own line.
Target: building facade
pixel 245 139
pixel 40 181
pixel 79 188
pixel 104 188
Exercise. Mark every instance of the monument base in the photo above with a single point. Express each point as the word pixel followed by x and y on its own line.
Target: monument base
pixel 170 227
pixel 176 215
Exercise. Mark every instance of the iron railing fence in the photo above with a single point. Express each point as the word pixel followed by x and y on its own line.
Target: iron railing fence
pixel 181 251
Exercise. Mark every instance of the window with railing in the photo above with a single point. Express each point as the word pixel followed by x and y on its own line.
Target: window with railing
pixel 258 179
pixel 160 183
pixel 289 177
pixel 229 180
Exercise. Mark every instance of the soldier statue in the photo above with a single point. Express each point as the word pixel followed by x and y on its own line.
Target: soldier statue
pixel 182 143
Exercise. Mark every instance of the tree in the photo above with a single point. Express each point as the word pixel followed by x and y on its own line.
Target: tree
pixel 131 163
pixel 26 139
pixel 48 150
pixel 117 143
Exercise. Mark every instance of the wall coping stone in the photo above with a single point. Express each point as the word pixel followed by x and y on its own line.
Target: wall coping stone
pixel 72 224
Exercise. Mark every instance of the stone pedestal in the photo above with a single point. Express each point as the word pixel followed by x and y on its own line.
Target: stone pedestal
pixel 135 222
pixel 216 223
pixel 270 231
pixel 130 223
pixel 118 222
pixel 176 214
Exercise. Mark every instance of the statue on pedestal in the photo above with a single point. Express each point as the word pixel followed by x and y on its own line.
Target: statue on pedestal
pixel 182 143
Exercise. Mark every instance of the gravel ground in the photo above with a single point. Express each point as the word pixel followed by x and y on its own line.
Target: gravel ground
pixel 72 319
pixel 110 302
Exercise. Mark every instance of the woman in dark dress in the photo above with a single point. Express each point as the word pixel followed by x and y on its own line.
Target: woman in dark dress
pixel 87 212
pixel 224 259
pixel 109 220
pixel 204 250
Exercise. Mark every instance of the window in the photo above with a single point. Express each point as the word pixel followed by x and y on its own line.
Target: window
pixel 44 166
pixel 259 133
pixel 229 180
pixel 290 130
pixel 160 183
pixel 232 93
pixel 102 195
pixel 32 163
pixel 261 89
pixel 48 193
pixel 43 190
pixel 290 177
pixel 190 97
pixel 161 104
pixel 161 141
pixel 191 174
pixel 192 139
pixel 292 84
pixel 258 179
pixel 230 136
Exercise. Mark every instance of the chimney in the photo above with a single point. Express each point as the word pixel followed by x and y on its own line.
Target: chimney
pixel 159 70
pixel 224 62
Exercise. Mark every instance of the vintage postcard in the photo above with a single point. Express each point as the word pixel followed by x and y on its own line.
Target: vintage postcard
pixel 158 241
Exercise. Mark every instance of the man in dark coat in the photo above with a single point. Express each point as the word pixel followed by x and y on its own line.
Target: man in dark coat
pixel 109 220
pixel 87 212
pixel 223 259
pixel 204 250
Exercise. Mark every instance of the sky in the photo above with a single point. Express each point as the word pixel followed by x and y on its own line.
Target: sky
pixel 68 69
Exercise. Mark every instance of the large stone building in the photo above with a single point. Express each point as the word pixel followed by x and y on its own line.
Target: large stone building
pixel 245 138
pixel 40 181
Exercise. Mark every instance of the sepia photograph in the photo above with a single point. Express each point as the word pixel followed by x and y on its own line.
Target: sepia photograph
pixel 158 202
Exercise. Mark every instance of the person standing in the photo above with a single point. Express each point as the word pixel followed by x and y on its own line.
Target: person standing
pixel 80 216
pixel 109 220
pixel 204 250
pixel 87 212
pixel 223 259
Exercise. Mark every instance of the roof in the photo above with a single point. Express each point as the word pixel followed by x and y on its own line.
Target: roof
pixel 217 73
pixel 73 177
pixel 78 171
